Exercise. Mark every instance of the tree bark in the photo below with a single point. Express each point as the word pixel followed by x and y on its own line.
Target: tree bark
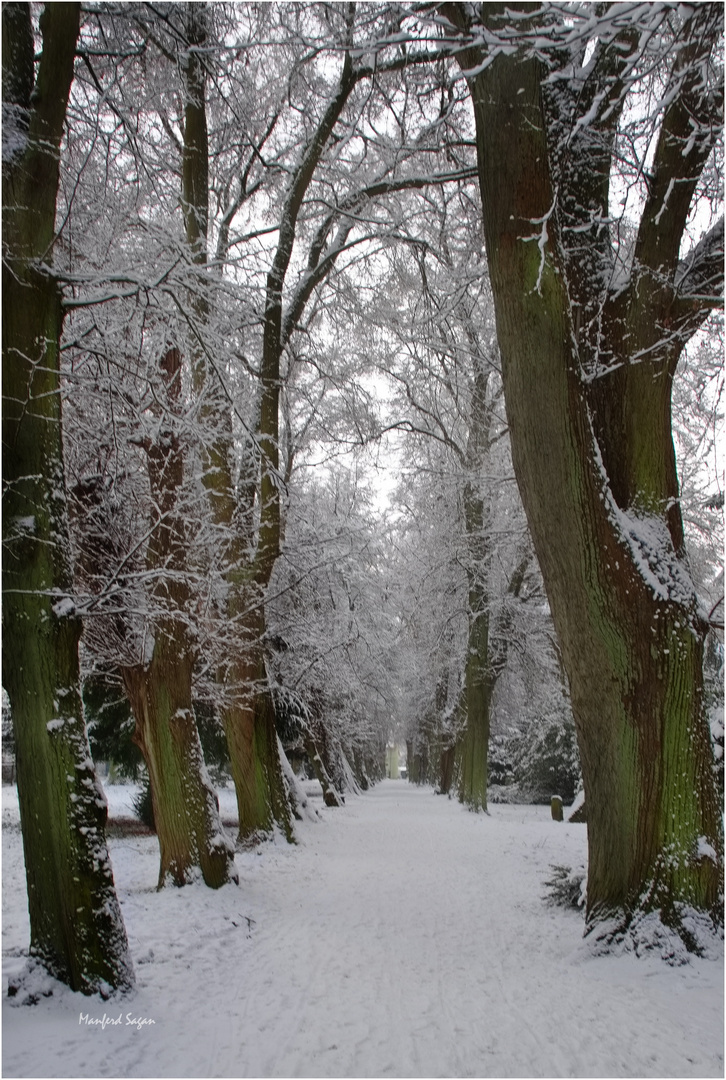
pixel 473 751
pixel 76 929
pixel 317 748
pixel 190 832
pixel 596 471
pixel 248 714
pixel 186 811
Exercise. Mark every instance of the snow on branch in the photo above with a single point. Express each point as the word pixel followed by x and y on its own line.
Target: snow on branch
pixel 542 239
pixel 700 275
pixel 131 285
pixel 549 29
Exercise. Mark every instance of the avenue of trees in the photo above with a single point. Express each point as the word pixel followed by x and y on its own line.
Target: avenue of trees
pixel 254 258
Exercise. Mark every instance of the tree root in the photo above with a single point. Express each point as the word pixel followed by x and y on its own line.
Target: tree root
pixel 675 935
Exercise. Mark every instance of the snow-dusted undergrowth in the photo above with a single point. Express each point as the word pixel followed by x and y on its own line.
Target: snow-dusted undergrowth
pixel 403 936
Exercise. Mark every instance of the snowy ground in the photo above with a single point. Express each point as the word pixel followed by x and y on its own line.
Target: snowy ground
pixel 401 937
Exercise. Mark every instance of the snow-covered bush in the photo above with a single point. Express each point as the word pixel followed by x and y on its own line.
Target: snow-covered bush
pixel 567 887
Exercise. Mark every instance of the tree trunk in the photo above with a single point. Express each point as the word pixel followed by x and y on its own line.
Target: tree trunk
pixel 447 764
pixel 317 748
pixel 190 832
pixel 76 929
pixel 474 743
pixel 473 751
pixel 419 767
pixel 186 810
pixel 247 709
pixel 360 770
pixel 596 472
pixel 248 715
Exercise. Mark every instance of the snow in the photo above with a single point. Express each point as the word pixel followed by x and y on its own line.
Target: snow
pixel 25 524
pixel 578 803
pixel 542 239
pixel 14 131
pixel 401 936
pixel 651 547
pixel 706 850
pixel 64 607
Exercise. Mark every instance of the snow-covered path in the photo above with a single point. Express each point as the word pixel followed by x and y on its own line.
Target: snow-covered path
pixel 403 936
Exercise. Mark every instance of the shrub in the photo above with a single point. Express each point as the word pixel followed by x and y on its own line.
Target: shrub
pixel 143 805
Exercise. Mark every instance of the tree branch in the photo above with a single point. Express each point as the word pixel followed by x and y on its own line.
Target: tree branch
pixel 690 128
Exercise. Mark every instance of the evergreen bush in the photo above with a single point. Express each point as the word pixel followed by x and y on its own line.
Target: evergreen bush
pixel 546 759
pixel 143 805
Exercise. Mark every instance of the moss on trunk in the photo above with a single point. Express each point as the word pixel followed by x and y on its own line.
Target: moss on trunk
pixel 191 837
pixel 192 840
pixel 248 715
pixel 631 637
pixel 76 929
